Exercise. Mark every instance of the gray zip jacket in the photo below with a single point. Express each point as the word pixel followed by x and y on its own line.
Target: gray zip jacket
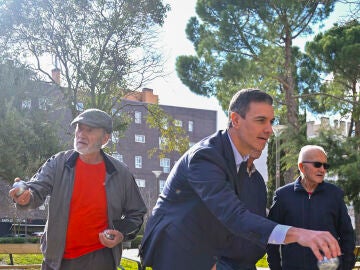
pixel 55 178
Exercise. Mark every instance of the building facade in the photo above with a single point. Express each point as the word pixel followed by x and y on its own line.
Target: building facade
pixel 134 145
pixel 313 128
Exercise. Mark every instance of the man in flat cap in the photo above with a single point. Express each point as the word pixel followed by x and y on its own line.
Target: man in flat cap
pixel 94 203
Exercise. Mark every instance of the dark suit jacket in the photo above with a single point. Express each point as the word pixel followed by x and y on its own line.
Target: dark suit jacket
pixel 199 208
pixel 251 190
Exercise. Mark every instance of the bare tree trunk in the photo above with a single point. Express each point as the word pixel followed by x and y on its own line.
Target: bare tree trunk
pixel 290 100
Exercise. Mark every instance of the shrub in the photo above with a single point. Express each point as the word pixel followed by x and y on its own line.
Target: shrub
pixel 136 242
pixel 18 240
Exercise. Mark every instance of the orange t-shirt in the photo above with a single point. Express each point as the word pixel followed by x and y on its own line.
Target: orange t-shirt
pixel 88 210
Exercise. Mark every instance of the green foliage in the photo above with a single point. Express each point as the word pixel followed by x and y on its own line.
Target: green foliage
pixel 19 240
pixel 174 138
pixel 22 131
pixel 22 258
pixel 103 49
pixel 196 75
pixel 337 51
pixel 136 242
pixel 22 136
pixel 241 44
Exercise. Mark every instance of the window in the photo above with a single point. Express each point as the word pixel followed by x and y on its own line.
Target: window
pixel 178 123
pixel 164 123
pixel 161 185
pixel 140 183
pixel 162 142
pixel 42 103
pixel 138 117
pixel 118 156
pixel 138 162
pixel 115 136
pixel 140 138
pixel 191 126
pixel 26 104
pixel 165 164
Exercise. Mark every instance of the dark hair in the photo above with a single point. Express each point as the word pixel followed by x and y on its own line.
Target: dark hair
pixel 241 100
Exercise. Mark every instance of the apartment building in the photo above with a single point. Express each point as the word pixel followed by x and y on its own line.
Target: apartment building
pixel 133 148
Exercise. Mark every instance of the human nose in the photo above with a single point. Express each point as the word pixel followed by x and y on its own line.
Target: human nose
pixel 79 132
pixel 269 129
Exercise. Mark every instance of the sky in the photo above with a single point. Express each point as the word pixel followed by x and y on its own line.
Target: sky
pixel 171 91
pixel 173 40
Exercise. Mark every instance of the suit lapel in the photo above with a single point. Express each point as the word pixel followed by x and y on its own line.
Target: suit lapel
pixel 230 160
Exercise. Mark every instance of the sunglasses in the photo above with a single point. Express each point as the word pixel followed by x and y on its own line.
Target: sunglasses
pixel 318 164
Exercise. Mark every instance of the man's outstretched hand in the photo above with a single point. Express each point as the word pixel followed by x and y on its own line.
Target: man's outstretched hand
pixel 321 243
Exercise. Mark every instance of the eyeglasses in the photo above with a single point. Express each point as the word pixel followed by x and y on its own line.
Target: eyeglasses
pixel 318 164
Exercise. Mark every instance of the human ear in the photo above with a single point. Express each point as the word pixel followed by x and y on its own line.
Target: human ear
pixel 301 167
pixel 235 119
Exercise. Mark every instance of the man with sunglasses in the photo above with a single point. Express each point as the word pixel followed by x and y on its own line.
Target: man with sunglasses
pixel 311 203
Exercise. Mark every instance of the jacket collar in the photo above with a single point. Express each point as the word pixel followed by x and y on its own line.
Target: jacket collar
pixel 299 187
pixel 228 153
pixel 71 161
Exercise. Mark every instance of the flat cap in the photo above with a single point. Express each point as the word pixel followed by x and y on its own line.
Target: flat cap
pixel 94 118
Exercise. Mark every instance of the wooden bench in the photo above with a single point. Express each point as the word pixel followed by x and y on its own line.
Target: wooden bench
pixel 23 248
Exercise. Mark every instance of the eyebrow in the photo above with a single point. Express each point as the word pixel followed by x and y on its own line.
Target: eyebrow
pixel 261 117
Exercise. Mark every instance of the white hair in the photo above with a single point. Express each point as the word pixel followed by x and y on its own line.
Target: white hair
pixel 307 148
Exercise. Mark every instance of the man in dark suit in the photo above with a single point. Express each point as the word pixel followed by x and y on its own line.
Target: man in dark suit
pixel 251 190
pixel 199 214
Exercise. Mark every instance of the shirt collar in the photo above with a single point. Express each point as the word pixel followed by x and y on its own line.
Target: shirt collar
pixel 239 158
